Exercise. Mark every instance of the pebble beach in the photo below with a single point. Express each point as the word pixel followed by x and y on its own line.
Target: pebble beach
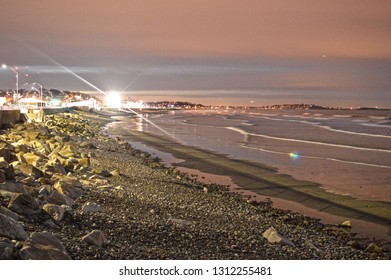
pixel 70 191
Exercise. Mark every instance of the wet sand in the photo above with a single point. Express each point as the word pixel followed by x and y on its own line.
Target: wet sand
pixel 370 218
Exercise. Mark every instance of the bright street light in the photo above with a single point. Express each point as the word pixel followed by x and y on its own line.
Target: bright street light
pixel 113 99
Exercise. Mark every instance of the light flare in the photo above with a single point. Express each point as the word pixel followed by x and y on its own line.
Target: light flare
pixel 294 155
pixel 93 86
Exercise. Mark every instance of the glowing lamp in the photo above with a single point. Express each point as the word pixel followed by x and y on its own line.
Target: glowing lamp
pixel 113 99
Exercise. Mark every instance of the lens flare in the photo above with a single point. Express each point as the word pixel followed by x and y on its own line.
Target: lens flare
pixel 294 155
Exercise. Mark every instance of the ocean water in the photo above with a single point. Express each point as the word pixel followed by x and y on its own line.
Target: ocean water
pixel 348 152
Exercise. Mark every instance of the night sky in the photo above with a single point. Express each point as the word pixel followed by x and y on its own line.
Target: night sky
pixel 224 51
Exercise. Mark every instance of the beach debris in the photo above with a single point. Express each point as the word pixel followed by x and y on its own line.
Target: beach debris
pixel 272 235
pixel 95 237
pixel 43 246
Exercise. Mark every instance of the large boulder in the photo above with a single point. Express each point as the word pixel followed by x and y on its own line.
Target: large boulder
pixel 11 229
pixel 24 204
pixel 43 246
pixel 272 235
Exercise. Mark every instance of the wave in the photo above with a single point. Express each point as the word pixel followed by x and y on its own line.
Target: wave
pixel 246 134
pixel 343 116
pixel 376 125
pixel 322 158
pixel 332 129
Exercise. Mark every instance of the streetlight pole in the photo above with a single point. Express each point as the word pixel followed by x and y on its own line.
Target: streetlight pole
pixel 40 87
pixel 15 70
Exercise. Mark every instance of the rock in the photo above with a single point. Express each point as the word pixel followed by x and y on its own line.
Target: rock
pixel 85 162
pixel 354 244
pixel 89 207
pixel 96 237
pixel 60 199
pixel 346 224
pixel 9 172
pixel 3 162
pixel 43 246
pixel 24 204
pixel 373 248
pixel 13 187
pixel 50 224
pixel 5 153
pixel 101 172
pixel 205 189
pixel 180 222
pixel 87 145
pixel 11 229
pixel 69 150
pixel 272 235
pixel 9 213
pixel 29 170
pixel 7 249
pixel 2 176
pixel 31 158
pixel 45 190
pixel 45 181
pixel 58 168
pixel 115 173
pixel 71 188
pixel 55 211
